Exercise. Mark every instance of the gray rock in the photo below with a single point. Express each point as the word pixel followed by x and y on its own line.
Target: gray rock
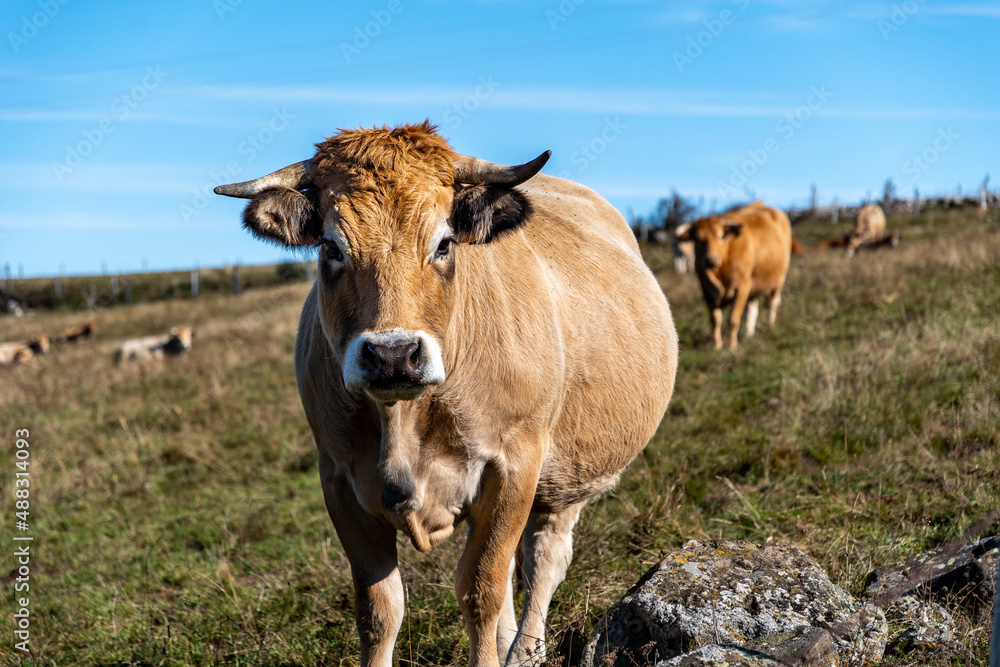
pixel 924 627
pixel 805 647
pixel 965 574
pixel 714 655
pixel 731 593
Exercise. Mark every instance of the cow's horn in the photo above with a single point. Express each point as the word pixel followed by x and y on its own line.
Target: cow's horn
pixel 296 176
pixel 473 171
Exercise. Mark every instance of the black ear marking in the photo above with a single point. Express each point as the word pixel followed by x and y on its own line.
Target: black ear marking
pixel 480 213
pixel 283 216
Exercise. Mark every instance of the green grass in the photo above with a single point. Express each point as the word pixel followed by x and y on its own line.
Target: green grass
pixel 177 513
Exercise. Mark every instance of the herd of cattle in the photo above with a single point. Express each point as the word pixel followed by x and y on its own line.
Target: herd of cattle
pixel 177 341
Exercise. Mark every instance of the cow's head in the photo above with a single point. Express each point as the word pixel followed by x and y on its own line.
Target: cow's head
pixel 387 208
pixel 854 241
pixel 710 237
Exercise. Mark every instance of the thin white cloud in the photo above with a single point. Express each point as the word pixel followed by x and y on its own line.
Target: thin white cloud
pixel 652 102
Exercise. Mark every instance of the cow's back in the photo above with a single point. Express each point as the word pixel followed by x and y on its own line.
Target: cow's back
pixel 870 225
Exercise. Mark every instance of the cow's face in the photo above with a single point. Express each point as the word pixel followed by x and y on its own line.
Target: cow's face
pixel 386 285
pixel 388 210
pixel 711 239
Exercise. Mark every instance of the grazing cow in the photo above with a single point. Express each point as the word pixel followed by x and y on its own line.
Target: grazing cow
pixel 471 350
pixel 11 353
pixel 71 334
pixel 889 240
pixel 177 342
pixel 868 229
pixel 740 256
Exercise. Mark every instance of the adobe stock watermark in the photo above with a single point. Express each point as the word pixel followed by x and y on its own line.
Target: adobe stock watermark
pixel 918 164
pixel 223 7
pixel 121 108
pixel 30 25
pixel 586 154
pixel 786 127
pixel 562 12
pixel 898 17
pixel 704 39
pixel 460 111
pixel 248 150
pixel 363 36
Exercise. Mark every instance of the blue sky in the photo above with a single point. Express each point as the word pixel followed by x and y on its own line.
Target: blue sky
pixel 117 119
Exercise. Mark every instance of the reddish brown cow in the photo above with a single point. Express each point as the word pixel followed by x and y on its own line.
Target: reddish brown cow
pixel 482 343
pixel 72 334
pixel 740 256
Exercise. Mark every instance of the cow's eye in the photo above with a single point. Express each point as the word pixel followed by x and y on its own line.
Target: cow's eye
pixel 444 248
pixel 333 252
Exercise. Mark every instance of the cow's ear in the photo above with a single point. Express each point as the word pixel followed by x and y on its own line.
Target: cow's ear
pixel 731 228
pixel 683 232
pixel 283 216
pixel 480 213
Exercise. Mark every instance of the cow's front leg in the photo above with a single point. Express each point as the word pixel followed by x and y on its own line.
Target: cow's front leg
pixel 715 318
pixel 736 315
pixel 370 546
pixel 495 525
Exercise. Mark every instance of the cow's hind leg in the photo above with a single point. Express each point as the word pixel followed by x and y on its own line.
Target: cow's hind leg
pixel 772 308
pixel 753 309
pixel 507 627
pixel 548 550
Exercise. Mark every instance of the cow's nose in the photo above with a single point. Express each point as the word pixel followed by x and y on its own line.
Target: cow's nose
pixel 392 363
pixel 712 261
pixel 397 497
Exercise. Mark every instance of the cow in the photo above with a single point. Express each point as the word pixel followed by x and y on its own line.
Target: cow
pixel 72 334
pixel 740 256
pixel 484 344
pixel 889 240
pixel 869 228
pixel 175 343
pixel 19 353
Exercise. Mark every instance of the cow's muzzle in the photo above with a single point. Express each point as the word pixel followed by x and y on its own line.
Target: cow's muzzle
pixel 393 365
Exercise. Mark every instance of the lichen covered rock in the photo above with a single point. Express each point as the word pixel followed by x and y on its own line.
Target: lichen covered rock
pixel 733 593
pixel 964 575
pixel 923 626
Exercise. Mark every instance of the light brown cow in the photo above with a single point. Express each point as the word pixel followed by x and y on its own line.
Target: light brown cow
pixel 740 256
pixel 11 353
pixel 71 334
pixel 869 228
pixel 175 343
pixel 470 351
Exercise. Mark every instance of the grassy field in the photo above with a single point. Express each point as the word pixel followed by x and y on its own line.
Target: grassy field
pixel 177 516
